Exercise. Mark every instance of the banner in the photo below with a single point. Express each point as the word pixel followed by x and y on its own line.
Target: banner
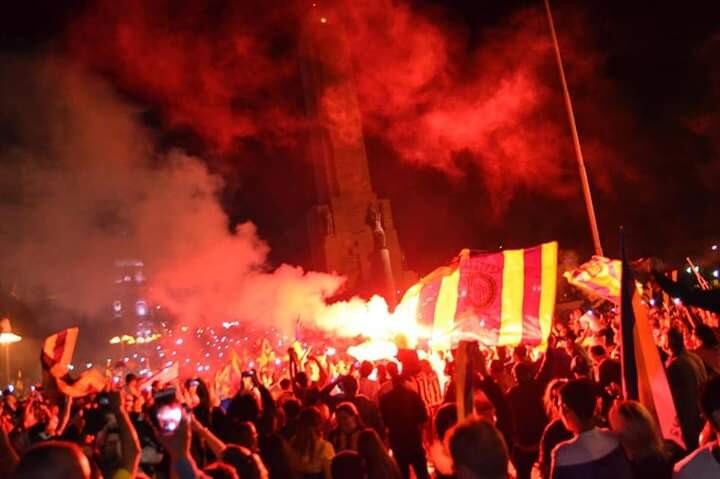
pixel 644 377
pixel 498 299
pixel 599 277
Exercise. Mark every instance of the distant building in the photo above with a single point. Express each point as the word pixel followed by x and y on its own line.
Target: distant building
pixel 131 308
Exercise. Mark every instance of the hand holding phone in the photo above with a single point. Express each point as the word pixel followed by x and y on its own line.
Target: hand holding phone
pixel 169 417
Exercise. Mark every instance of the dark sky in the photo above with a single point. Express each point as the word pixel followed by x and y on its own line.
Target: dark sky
pixel 655 53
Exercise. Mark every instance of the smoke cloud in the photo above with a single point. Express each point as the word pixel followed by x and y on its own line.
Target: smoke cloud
pixel 442 102
pixel 85 187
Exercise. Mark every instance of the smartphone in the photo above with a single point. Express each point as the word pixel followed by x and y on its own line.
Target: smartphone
pixel 247 374
pixel 194 383
pixel 169 417
pixel 165 396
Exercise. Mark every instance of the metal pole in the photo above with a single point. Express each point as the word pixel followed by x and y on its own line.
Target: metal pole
pixel 576 138
pixel 7 362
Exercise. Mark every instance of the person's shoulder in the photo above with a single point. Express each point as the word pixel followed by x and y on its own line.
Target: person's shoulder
pixel 587 447
pixel 692 463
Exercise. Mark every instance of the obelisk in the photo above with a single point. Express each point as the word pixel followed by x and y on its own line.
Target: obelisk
pixel 342 237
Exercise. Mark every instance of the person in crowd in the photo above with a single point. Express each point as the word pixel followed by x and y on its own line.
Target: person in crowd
pixel 686 375
pixel 500 374
pixel 284 391
pixel 378 463
pixel 478 450
pixel 555 363
pixel 580 367
pixel 247 464
pixel 133 395
pixel 428 385
pixel 292 408
pixel 521 355
pixel 367 387
pixel 404 414
pixel 607 370
pixel 445 418
pixel 367 408
pixel 220 470
pixel 392 373
pixel 382 377
pixel 120 456
pixel 247 436
pixel 591 452
pixel 54 460
pixel 313 454
pixel 709 349
pixel 555 432
pixel 348 429
pixel 641 440
pixel 277 457
pixel 348 465
pixel 704 463
pixel 526 407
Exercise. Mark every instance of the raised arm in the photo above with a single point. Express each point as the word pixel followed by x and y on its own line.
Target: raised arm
pixel 268 403
pixel 8 456
pixel 65 418
pixel 128 436
pixel 216 445
pixel 322 371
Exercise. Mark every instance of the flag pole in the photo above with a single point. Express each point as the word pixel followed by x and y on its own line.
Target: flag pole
pixel 590 207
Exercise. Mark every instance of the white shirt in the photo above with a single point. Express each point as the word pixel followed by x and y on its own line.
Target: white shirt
pixel 701 464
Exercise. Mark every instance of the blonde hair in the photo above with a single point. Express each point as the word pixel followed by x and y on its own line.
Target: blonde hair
pixel 639 432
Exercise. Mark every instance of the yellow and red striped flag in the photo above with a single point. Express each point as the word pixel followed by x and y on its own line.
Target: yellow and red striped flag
pixel 643 372
pixel 503 298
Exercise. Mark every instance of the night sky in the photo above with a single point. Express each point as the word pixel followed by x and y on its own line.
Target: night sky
pixel 659 58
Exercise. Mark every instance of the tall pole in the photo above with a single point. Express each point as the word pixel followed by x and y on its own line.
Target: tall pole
pixel 590 207
pixel 7 362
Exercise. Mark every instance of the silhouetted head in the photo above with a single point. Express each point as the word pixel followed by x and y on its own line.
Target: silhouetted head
pixel 578 400
pixel 366 368
pixel 706 336
pixel 348 418
pixel 53 460
pixel 348 465
pixel 478 450
pixel 675 341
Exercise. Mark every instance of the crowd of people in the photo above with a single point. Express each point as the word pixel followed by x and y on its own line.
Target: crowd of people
pixel 554 414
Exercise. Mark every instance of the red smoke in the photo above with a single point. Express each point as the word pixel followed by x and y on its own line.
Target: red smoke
pixel 211 70
pixel 434 98
pixel 422 87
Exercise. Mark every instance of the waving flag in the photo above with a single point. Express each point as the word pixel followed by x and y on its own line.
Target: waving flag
pixel 56 355
pixel 503 298
pixel 164 376
pixel 58 350
pixel 644 377
pixel 600 276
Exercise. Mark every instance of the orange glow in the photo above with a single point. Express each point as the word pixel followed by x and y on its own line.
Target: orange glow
pixel 373 350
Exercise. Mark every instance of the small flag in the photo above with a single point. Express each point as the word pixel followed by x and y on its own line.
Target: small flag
pixel 503 298
pixel 644 376
pixel 89 382
pixel 58 350
pixel 56 355
pixel 600 277
pixel 164 376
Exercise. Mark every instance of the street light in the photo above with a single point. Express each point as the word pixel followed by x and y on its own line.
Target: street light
pixel 7 337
